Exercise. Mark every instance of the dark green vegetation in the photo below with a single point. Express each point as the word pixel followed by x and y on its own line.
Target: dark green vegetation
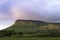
pixel 41 38
pixel 30 29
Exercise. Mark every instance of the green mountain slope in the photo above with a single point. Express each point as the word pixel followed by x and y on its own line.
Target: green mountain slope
pixel 32 28
pixel 32 25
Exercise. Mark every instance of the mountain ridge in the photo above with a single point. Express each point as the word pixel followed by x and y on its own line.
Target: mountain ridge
pixel 32 25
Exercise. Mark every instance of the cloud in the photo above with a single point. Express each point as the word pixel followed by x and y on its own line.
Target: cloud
pixel 26 10
pixel 16 13
pixel 2 16
pixel 2 1
pixel 42 10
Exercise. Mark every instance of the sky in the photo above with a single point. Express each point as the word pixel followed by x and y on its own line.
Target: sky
pixel 40 10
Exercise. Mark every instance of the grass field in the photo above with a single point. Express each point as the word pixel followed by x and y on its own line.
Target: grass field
pixel 40 38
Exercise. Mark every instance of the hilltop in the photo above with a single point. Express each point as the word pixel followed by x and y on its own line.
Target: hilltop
pixel 32 25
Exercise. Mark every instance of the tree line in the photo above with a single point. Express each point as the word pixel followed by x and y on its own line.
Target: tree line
pixel 38 33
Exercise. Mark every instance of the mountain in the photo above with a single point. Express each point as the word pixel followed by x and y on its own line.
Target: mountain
pixel 32 25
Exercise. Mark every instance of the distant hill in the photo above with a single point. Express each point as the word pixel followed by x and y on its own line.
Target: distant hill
pixel 32 28
pixel 32 25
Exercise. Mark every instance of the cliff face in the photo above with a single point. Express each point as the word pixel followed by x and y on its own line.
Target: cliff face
pixel 32 25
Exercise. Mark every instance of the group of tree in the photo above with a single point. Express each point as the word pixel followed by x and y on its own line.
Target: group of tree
pixel 38 33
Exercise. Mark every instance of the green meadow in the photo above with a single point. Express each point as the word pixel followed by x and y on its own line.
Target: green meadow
pixel 41 38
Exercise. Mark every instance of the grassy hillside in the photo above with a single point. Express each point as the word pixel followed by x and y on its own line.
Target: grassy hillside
pixel 27 25
pixel 31 25
pixel 32 28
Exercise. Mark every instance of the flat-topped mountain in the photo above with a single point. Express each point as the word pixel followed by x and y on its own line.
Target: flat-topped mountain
pixel 33 25
pixel 32 28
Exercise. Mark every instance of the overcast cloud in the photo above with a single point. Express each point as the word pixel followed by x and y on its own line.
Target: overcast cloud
pixel 42 10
